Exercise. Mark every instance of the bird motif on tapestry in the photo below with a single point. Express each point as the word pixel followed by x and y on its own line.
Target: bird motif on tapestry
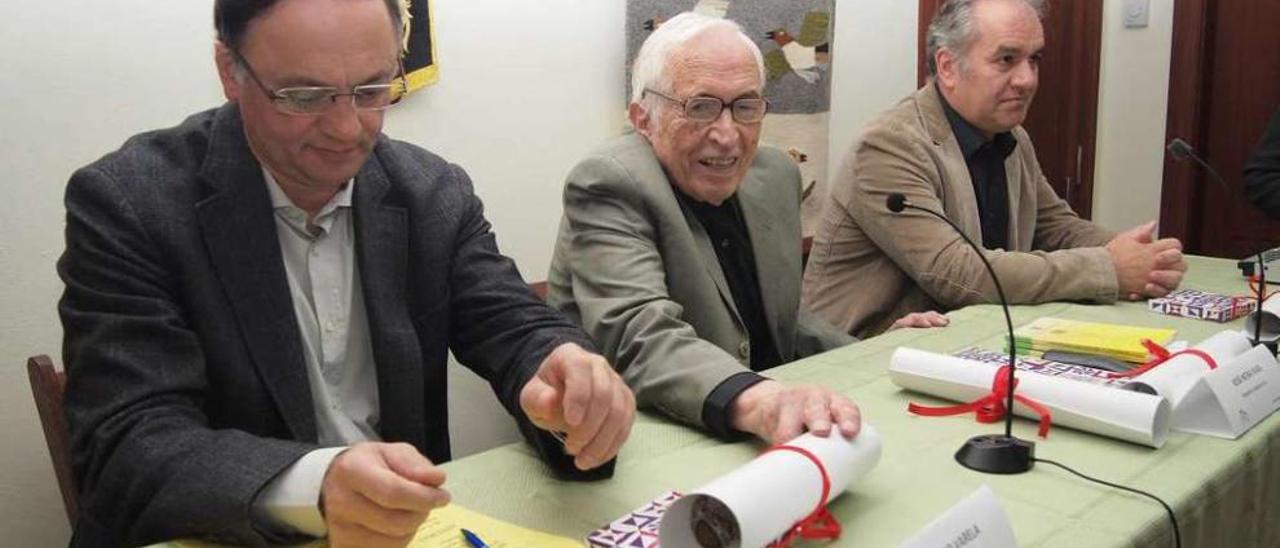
pixel 710 8
pixel 804 55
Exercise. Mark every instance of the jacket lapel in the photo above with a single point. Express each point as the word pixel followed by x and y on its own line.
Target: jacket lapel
pixel 709 258
pixel 382 241
pixel 239 230
pixel 778 282
pixel 959 202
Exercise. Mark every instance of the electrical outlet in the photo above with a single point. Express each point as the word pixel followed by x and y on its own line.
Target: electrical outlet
pixel 1136 13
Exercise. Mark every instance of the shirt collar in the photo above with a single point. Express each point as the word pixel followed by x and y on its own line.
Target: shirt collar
pixel 283 205
pixel 281 200
pixel 970 138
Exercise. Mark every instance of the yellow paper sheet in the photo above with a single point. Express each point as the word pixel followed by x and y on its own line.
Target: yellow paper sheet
pixel 443 529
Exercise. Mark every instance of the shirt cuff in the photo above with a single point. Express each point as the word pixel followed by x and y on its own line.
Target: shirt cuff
pixel 719 403
pixel 290 504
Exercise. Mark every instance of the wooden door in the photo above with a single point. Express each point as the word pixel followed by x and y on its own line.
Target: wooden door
pixel 1063 119
pixel 1224 85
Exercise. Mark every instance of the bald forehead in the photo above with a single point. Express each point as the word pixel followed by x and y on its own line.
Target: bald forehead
pixel 712 48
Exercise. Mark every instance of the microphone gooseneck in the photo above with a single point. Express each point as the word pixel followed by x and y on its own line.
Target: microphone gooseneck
pixel 992 454
pixel 1182 152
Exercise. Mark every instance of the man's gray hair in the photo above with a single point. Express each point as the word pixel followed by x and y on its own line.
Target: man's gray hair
pixel 649 71
pixel 952 29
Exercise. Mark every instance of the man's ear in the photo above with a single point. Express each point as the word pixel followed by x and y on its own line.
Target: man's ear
pixel 227 69
pixel 948 68
pixel 640 117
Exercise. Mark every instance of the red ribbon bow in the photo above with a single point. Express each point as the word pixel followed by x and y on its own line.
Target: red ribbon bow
pixel 989 408
pixel 819 524
pixel 1161 355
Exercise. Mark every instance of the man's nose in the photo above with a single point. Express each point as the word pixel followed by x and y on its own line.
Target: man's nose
pixel 1026 75
pixel 342 120
pixel 724 130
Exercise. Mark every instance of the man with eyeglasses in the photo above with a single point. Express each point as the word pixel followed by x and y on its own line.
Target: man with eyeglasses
pixel 679 248
pixel 260 301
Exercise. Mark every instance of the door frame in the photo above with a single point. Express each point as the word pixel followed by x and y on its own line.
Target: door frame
pixel 1183 186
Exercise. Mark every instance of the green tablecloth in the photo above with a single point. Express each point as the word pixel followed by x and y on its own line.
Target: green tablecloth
pixel 1225 493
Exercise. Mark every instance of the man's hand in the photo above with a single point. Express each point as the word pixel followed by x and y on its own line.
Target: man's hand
pixel 921 319
pixel 1146 267
pixel 377 494
pixel 578 393
pixel 777 413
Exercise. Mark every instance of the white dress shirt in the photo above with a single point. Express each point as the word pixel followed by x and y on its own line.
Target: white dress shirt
pixel 324 282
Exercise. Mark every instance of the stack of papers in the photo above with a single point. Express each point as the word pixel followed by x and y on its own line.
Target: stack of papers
pixel 1122 342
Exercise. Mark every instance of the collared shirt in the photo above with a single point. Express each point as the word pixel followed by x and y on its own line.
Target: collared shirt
pixel 985 160
pixel 728 233
pixel 324 284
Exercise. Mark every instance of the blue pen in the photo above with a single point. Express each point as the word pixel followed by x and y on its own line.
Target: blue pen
pixel 473 539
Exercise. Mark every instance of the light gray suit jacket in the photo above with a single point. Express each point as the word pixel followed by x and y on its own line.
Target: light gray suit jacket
pixel 638 271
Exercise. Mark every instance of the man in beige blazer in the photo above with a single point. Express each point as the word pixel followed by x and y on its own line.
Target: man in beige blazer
pixel 679 249
pixel 956 147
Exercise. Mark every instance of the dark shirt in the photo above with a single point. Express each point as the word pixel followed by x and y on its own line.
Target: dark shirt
pixel 1262 173
pixel 728 233
pixel 985 160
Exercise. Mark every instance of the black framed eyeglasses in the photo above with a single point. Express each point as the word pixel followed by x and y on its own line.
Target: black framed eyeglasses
pixel 317 100
pixel 745 110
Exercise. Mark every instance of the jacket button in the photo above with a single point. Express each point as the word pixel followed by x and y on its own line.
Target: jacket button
pixel 744 349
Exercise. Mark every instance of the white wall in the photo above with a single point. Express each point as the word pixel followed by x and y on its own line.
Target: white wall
pixel 874 63
pixel 1132 107
pixel 526 88
pixel 82 76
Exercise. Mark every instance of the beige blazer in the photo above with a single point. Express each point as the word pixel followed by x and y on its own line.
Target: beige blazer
pixel 869 266
pixel 637 270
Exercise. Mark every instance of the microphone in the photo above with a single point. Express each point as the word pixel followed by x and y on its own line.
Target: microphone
pixel 1181 151
pixel 993 454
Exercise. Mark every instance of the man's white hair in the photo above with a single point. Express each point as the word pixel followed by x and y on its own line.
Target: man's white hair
pixel 650 68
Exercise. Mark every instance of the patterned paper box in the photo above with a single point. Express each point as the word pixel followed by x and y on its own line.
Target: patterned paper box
pixel 638 529
pixel 1194 303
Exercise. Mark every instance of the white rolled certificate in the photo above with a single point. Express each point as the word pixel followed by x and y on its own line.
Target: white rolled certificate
pixel 758 502
pixel 1174 378
pixel 1108 411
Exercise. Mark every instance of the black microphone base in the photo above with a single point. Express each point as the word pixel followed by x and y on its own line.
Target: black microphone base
pixel 997 454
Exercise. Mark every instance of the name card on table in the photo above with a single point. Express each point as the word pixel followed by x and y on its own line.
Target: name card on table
pixel 977 521
pixel 1231 399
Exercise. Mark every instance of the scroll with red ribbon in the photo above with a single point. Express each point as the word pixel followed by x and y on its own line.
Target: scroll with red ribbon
pixel 775 499
pixel 1122 414
pixel 991 407
pixel 1173 374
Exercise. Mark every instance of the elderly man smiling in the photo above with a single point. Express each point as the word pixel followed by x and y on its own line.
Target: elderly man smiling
pixel 679 250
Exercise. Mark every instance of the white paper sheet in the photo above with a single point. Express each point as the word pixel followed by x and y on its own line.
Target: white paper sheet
pixel 977 521
pixel 1231 399
pixel 1121 414
pixel 759 501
